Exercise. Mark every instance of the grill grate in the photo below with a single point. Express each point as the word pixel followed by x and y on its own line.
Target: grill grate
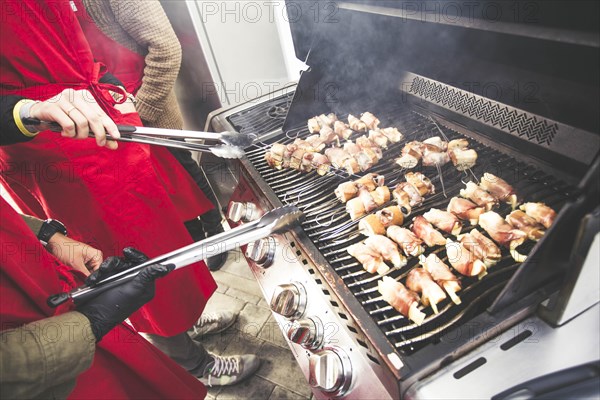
pixel 262 118
pixel 330 229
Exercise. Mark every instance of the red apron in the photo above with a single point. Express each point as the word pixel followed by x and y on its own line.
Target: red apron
pixel 110 199
pixel 125 365
pixel 128 66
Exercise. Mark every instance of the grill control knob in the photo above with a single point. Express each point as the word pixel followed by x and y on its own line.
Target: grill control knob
pixel 289 300
pixel 242 212
pixel 330 371
pixel 308 333
pixel 262 251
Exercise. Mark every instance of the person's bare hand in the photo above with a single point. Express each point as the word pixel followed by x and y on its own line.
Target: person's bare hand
pixel 77 255
pixel 78 114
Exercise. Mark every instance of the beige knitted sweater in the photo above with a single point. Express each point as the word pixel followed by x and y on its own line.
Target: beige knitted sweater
pixel 142 26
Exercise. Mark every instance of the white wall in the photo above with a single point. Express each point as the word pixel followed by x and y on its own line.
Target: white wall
pixel 248 46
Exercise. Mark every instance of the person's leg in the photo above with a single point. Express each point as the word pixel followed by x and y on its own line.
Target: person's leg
pixel 209 368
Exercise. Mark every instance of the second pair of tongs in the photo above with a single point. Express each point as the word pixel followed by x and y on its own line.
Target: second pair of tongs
pixel 232 148
pixel 276 221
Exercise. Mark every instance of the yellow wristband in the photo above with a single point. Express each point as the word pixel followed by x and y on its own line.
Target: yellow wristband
pixel 17 118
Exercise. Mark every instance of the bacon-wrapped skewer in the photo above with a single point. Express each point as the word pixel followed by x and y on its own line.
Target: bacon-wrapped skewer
pixel 371 260
pixel 540 212
pixel 393 134
pixel 390 216
pixel 412 152
pixel 521 221
pixel 482 247
pixel 499 188
pixel 403 199
pixel 405 301
pixel 427 233
pixel 342 160
pixel 371 225
pixel 463 159
pixel 370 120
pixel 421 183
pixel 367 201
pixel 464 261
pixel 379 138
pixel 355 208
pixel 342 130
pixel 442 275
pixel 478 196
pixel 444 220
pixel 348 190
pixel 381 195
pixel 408 242
pixel 436 141
pixel 433 156
pixel 316 123
pixel 502 233
pixel 387 248
pixel 458 144
pixel 465 209
pixel 415 198
pixel 420 281
pixel 356 124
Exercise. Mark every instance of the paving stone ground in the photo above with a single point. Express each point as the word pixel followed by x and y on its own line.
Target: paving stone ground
pixel 255 331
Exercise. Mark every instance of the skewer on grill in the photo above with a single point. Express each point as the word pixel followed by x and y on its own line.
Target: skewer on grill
pixel 444 221
pixel 420 281
pixel 499 188
pixel 426 232
pixel 503 233
pixel 478 196
pixel 519 220
pixel 405 301
pixel 442 275
pixel 464 261
pixel 465 209
pixel 410 244
pixel 482 247
pixel 540 212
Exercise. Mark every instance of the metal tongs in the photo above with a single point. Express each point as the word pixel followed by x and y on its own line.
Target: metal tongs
pixel 232 145
pixel 276 221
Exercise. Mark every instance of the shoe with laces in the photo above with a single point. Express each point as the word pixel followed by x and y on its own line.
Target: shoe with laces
pixel 211 323
pixel 226 371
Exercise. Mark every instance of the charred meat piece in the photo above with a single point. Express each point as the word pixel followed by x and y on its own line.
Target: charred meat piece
pixel 540 212
pixel 465 209
pixel 371 260
pixel 442 275
pixel 444 221
pixel 405 301
pixel 371 225
pixel 427 233
pixel 420 182
pixel 521 221
pixel 499 188
pixel 387 248
pixel 390 216
pixel 482 247
pixel 478 196
pixel 464 261
pixel 370 120
pixel 420 281
pixel 408 242
pixel 463 159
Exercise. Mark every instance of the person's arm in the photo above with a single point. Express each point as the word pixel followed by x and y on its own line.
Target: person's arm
pixel 146 22
pixel 76 111
pixel 34 362
pixel 75 254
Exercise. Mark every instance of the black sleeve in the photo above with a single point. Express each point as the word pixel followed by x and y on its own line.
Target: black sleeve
pixel 9 132
pixel 111 79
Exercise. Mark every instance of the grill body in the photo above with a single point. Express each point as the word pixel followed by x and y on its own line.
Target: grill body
pixel 548 155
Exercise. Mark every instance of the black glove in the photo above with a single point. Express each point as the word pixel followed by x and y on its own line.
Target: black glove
pixel 132 257
pixel 116 304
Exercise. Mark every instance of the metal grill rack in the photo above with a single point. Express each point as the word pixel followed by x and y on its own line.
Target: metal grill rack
pixel 262 118
pixel 331 230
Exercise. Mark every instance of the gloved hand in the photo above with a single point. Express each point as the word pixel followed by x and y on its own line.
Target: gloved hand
pixel 112 307
pixel 113 265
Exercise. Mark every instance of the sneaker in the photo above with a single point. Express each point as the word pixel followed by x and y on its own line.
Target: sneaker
pixel 211 323
pixel 226 371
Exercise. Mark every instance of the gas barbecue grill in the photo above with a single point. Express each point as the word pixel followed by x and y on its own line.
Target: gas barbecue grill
pixel 345 337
